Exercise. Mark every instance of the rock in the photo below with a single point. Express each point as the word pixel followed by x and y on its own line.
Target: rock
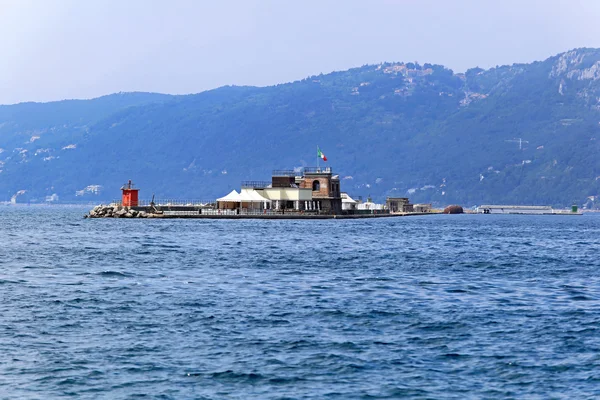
pixel 128 215
pixel 453 210
pixel 101 211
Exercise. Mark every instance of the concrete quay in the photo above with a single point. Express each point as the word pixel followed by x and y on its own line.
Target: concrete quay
pixel 288 216
pixel 192 212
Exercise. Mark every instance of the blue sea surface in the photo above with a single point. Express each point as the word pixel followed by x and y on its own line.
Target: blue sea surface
pixel 445 306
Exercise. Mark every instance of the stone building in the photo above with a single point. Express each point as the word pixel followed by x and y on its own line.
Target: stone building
pixel 286 193
pixel 310 190
pixel 325 188
pixel 422 208
pixel 398 204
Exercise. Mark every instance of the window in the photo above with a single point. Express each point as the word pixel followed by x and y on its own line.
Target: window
pixel 316 186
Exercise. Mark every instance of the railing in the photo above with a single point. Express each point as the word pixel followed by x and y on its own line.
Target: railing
pixel 317 170
pixel 285 185
pixel 255 184
pixel 171 202
pixel 363 212
pixel 169 212
pixel 197 207
pixel 251 211
pixel 286 172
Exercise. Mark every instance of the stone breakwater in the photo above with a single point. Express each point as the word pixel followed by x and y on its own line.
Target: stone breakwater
pixel 117 212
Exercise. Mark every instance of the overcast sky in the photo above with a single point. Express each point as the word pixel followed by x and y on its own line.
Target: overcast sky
pixel 62 49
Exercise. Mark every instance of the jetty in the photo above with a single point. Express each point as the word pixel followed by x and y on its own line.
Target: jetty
pixel 199 212
pixel 310 193
pixel 527 210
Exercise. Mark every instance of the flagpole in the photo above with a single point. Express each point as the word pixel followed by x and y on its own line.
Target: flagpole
pixel 318 158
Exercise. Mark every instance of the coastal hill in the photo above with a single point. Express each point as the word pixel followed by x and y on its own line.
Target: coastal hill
pixel 519 134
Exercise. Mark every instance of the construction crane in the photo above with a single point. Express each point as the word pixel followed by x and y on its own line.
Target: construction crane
pixel 518 140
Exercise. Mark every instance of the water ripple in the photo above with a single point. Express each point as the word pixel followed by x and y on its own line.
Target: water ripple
pixel 428 307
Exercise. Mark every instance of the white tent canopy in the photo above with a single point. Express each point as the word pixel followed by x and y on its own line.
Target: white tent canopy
pixel 247 198
pixel 233 197
pixel 348 203
pixel 252 196
pixel 347 199
pixel 255 199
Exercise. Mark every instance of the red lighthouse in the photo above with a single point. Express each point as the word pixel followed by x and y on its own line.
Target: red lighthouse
pixel 130 195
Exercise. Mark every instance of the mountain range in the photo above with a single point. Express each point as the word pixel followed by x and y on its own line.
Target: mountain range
pixel 518 134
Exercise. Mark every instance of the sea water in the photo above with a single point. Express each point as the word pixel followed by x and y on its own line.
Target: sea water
pixel 446 306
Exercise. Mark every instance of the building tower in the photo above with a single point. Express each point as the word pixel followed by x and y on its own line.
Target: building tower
pixel 325 188
pixel 130 195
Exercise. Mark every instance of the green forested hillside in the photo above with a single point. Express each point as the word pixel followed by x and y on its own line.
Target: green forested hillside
pixel 389 129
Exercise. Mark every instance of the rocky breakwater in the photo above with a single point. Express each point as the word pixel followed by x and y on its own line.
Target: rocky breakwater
pixel 117 212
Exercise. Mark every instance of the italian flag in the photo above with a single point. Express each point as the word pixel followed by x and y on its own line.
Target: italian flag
pixel 320 154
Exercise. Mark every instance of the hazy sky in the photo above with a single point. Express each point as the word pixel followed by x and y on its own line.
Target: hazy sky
pixel 59 49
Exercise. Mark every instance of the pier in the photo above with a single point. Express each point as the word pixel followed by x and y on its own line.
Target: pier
pixel 312 193
pixel 202 212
